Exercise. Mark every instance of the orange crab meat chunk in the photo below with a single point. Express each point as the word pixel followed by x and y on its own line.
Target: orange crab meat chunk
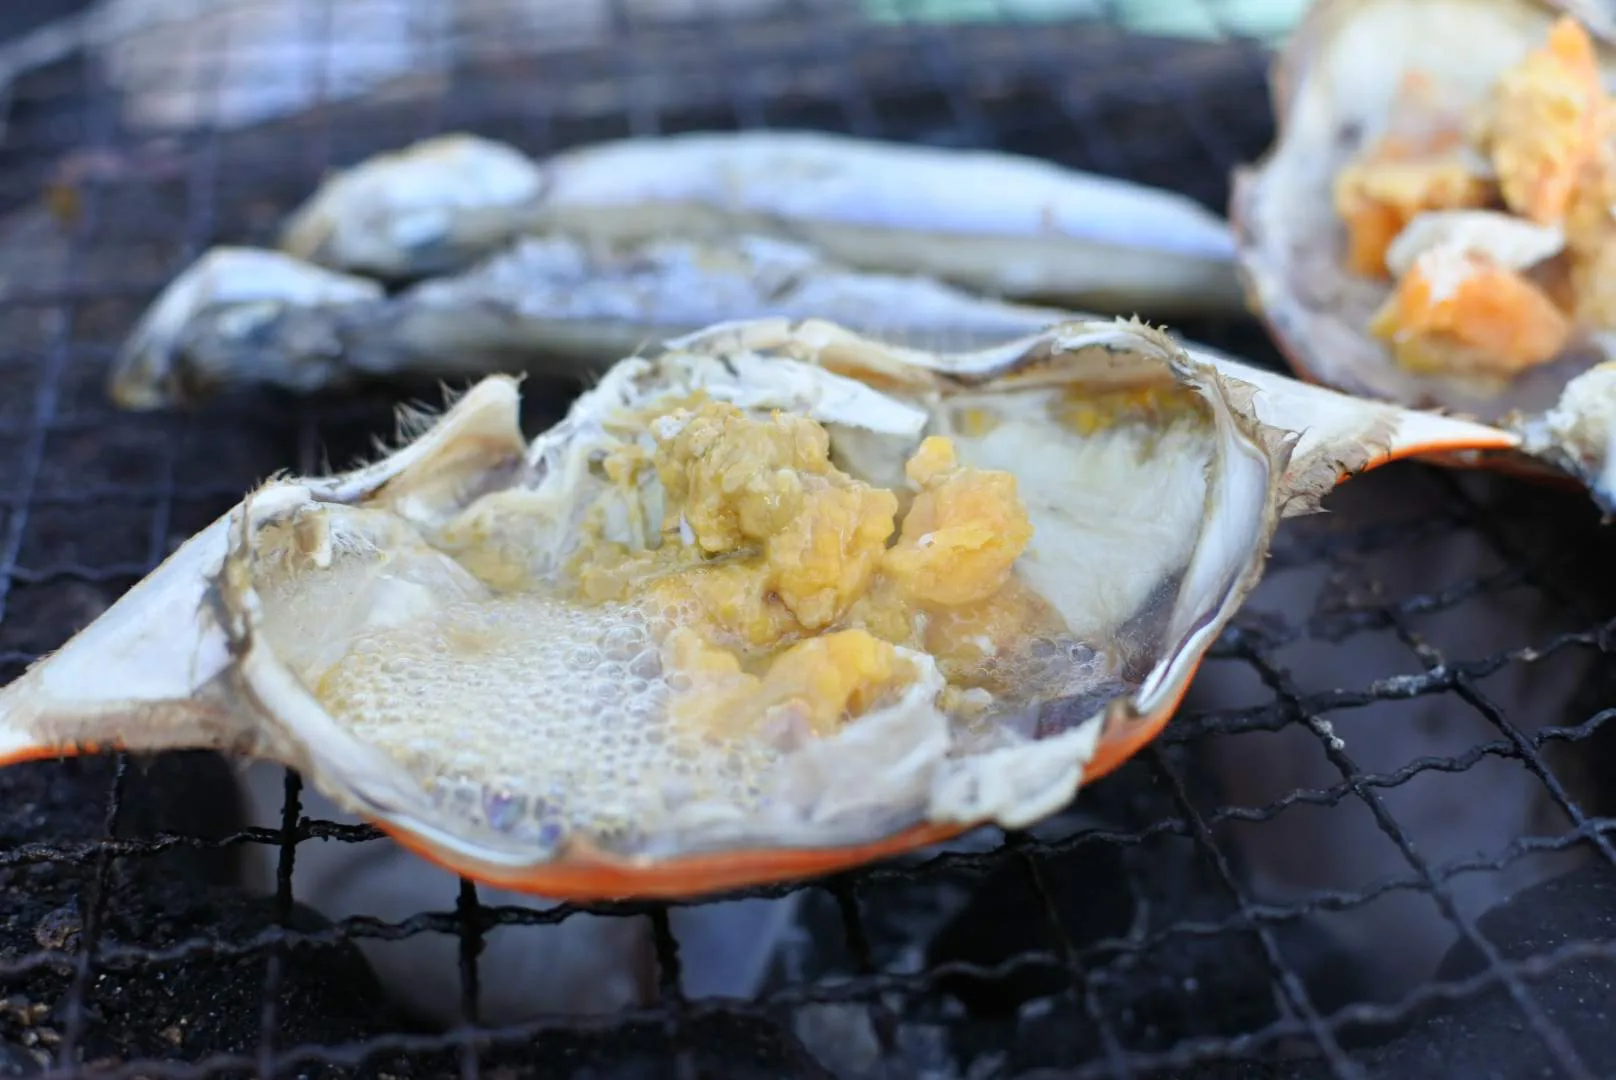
pixel 1419 164
pixel 1378 197
pixel 1547 120
pixel 1458 313
pixel 1593 288
pixel 964 531
pixel 1545 135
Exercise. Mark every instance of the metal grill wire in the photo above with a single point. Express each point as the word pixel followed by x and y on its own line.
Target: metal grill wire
pixel 91 499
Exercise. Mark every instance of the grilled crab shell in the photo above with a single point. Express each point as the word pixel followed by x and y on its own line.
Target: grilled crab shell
pixel 1333 87
pixel 1149 526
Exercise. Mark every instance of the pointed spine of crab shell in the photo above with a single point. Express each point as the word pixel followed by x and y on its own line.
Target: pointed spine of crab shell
pixel 65 704
pixel 152 672
pixel 1338 436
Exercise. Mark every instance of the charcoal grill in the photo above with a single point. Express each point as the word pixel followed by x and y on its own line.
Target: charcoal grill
pixel 1141 934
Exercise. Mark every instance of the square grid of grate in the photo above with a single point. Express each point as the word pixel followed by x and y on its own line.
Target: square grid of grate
pixel 90 499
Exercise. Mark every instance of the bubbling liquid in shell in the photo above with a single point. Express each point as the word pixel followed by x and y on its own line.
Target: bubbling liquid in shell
pixel 783 601
pixel 539 717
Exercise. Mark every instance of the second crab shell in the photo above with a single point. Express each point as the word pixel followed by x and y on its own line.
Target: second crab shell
pixel 1430 224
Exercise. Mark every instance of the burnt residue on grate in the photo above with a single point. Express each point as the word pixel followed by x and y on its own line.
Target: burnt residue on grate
pixel 1311 873
pixel 67 890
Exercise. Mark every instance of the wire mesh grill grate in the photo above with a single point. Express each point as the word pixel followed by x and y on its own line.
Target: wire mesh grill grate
pixel 1152 930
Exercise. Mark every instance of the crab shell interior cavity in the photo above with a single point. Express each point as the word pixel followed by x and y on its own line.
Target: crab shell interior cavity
pixel 1333 88
pixel 1150 527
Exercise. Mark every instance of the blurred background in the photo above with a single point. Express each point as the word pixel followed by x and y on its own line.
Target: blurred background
pixel 1373 843
pixel 161 54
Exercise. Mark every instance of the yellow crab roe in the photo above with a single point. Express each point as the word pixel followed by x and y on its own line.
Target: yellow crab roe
pixel 818 682
pixel 788 583
pixel 1089 411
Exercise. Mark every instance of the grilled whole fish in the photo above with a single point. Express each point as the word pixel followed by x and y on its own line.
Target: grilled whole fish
pixel 550 305
pixel 1002 224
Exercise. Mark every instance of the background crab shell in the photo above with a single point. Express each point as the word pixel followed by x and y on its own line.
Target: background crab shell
pixel 1331 84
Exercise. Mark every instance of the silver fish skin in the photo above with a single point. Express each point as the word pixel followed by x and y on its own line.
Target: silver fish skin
pixel 546 305
pixel 1002 224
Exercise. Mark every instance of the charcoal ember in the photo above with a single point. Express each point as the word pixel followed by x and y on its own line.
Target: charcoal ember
pixel 734 1047
pixel 190 795
pixel 207 1004
pixel 1577 906
pixel 17 1060
pixel 61 887
pixel 1489 1031
pixel 873 922
pixel 58 810
pixel 1485 1036
pixel 1250 1070
pixel 1007 919
pixel 1113 899
pixel 743 1047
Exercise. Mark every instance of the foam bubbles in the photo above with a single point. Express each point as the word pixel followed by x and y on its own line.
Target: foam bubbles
pixel 534 717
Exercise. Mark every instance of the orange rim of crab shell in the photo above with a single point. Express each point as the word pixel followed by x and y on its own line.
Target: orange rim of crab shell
pixel 585 873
